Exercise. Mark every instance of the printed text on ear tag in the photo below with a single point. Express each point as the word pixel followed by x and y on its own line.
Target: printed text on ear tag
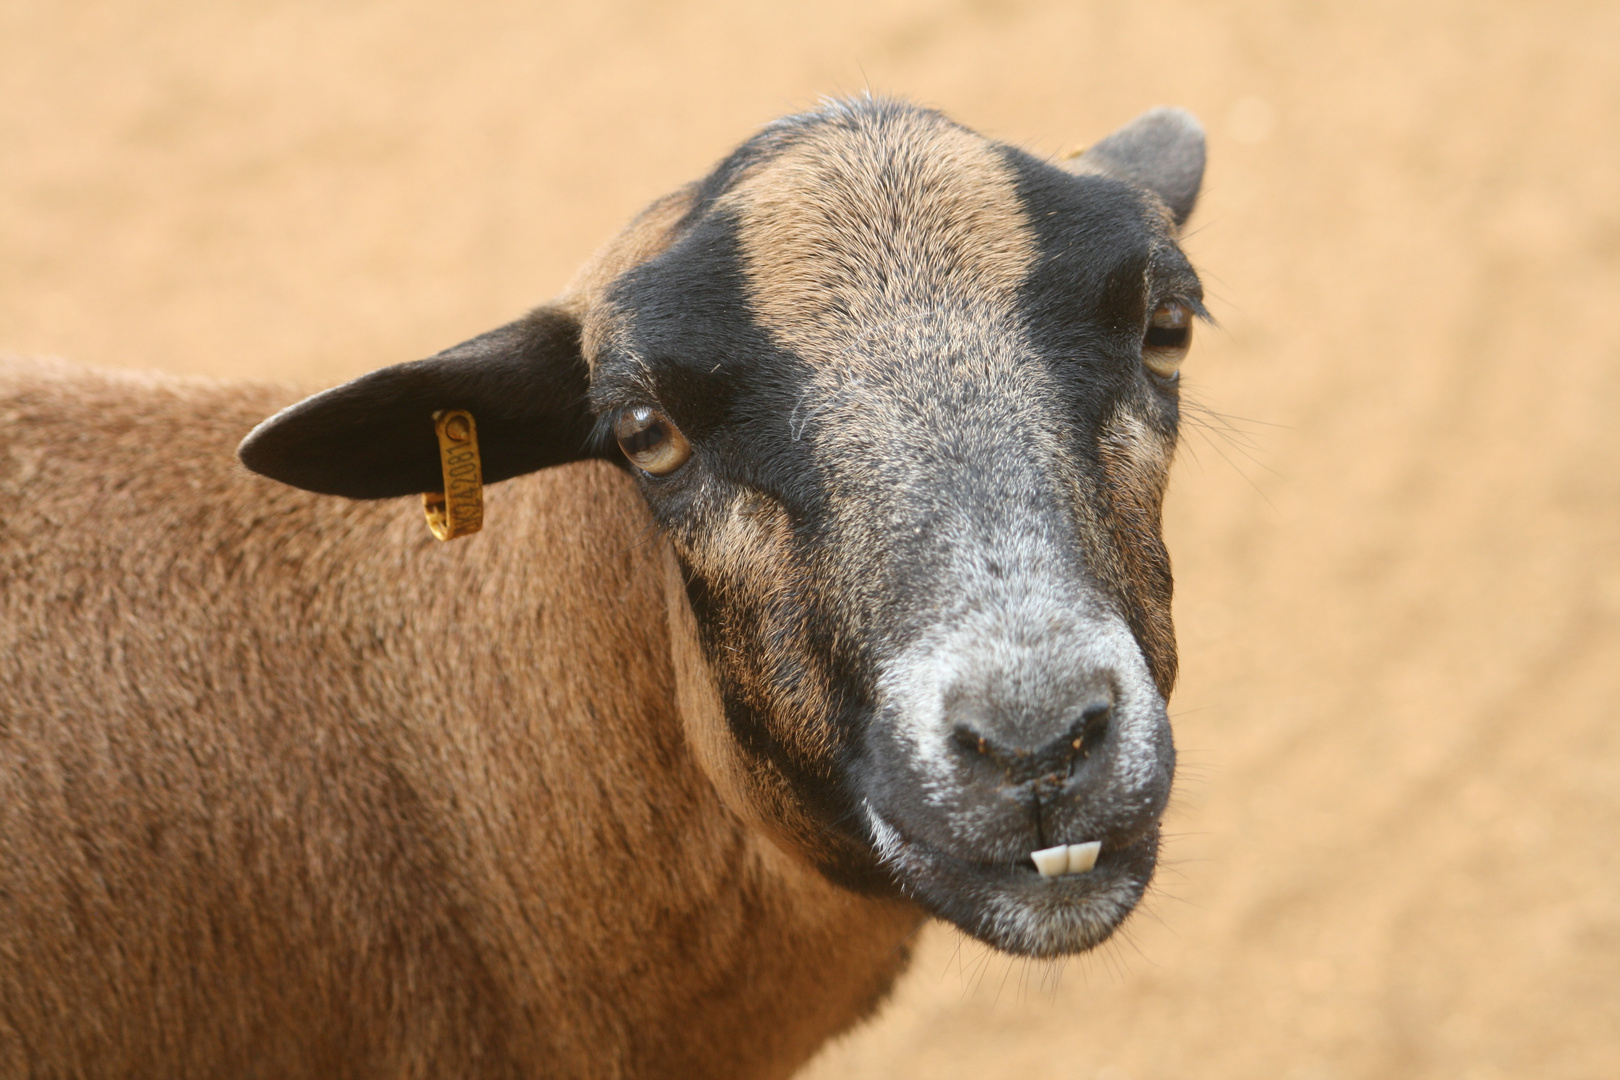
pixel 459 509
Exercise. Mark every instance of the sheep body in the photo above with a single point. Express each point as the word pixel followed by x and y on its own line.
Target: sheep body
pixel 288 788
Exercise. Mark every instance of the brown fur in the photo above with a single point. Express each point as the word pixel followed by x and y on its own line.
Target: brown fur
pixel 287 788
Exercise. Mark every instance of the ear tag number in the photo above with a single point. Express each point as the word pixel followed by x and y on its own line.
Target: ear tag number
pixel 458 510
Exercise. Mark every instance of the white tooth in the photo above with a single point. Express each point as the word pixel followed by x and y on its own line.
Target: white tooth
pixel 1082 857
pixel 1052 861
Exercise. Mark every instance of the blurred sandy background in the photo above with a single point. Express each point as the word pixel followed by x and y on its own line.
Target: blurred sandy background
pixel 1394 849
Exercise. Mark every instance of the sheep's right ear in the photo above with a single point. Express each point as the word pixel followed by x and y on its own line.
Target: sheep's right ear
pixel 526 384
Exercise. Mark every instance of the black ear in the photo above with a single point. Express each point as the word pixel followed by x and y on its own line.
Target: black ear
pixel 1161 150
pixel 526 385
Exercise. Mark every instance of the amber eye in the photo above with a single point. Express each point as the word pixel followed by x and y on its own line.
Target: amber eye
pixel 651 440
pixel 1169 333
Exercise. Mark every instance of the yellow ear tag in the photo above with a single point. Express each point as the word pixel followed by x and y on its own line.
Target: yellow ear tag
pixel 459 509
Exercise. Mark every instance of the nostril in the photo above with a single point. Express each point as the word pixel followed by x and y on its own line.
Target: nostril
pixel 1084 738
pixel 969 740
pixel 1091 730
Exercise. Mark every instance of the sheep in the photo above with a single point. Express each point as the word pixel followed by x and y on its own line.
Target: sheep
pixel 822 591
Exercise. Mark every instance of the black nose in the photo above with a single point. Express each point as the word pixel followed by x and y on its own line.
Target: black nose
pixel 1013 748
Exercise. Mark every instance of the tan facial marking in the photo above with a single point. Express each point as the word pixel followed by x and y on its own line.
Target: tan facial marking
pixel 1136 462
pixel 855 226
pixel 747 559
pixel 759 795
pixel 748 547
pixel 1136 455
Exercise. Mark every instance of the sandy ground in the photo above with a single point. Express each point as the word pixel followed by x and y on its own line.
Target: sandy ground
pixel 1396 519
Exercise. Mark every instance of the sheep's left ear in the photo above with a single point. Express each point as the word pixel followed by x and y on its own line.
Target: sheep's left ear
pixel 1161 150
pixel 526 384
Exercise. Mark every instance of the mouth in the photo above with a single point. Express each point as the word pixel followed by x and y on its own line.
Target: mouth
pixel 1043 908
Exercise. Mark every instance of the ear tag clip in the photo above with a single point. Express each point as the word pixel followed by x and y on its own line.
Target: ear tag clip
pixel 458 510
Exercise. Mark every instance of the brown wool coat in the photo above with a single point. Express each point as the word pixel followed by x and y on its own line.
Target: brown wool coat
pixel 288 788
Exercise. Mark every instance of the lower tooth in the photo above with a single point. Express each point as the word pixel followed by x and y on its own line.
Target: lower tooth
pixel 1082 857
pixel 1052 861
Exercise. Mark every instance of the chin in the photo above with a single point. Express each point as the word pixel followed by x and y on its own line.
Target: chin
pixel 1013 907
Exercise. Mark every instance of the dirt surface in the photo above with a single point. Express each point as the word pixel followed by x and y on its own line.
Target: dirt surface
pixel 1394 843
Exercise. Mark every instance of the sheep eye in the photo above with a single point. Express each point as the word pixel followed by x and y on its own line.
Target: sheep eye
pixel 651 440
pixel 1169 333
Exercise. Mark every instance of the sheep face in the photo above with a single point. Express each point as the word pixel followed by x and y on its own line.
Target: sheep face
pixel 887 393
pixel 903 400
